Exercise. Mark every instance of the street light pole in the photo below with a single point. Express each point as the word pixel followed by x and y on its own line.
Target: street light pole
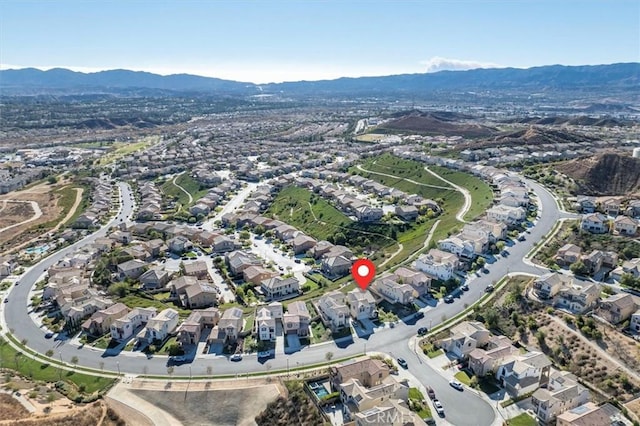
pixel 287 366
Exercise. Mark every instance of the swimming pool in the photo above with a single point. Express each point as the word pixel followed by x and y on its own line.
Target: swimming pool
pixel 319 389
pixel 37 250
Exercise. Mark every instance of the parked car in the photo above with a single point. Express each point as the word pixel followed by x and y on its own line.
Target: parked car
pixel 448 299
pixel 236 357
pixel 431 393
pixel 49 335
pixel 264 354
pixel 439 408
pixel 419 314
pixel 402 363
pixel 456 385
pixel 422 331
pixel 489 288
pixel 464 287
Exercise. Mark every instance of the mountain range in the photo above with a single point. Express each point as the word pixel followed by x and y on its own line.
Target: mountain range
pixel 622 76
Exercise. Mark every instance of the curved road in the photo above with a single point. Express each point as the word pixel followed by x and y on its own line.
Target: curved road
pixel 392 341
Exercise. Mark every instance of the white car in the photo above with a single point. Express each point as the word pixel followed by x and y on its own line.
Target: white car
pixel 456 385
pixel 439 408
pixel 236 357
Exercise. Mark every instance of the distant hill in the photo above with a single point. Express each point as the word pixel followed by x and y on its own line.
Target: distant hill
pixel 438 123
pixel 604 174
pixel 582 120
pixel 624 76
pixel 532 136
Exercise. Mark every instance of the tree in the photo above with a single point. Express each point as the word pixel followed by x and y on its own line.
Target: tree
pixel 579 268
pixel 49 353
pixel 491 317
pixel 170 371
pixel 328 356
pixel 52 179
pixel 74 360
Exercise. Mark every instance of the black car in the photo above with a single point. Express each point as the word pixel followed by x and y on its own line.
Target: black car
pixel 422 331
pixel 419 314
pixel 49 335
pixel 402 363
pixel 448 299
pixel 464 287
pixel 489 289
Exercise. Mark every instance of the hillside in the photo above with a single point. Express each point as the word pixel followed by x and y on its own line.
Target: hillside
pixel 606 78
pixel 604 174
pixel 439 123
pixel 580 120
pixel 534 135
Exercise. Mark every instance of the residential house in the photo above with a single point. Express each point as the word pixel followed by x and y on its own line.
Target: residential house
pixel 359 399
pixel 419 281
pixel 611 207
pixel 617 307
pixel 508 215
pixel 438 264
pixel 408 213
pixel 229 326
pixel 199 295
pixel 631 267
pixel 301 243
pixel 265 325
pixel 223 244
pixel 336 266
pixel 256 274
pixel 388 413
pixel 131 269
pixel 190 331
pixel 634 323
pixel 333 310
pixel 238 261
pixel 159 327
pixel 362 305
pixel 297 319
pixel 586 204
pixel 464 338
pixel 100 322
pixel 522 374
pixel 588 414
pixel 393 292
pixel 124 327
pixel 278 287
pixel 179 244
pixel 369 372
pixel 156 247
pixel 7 265
pixel 596 223
pixel 548 285
pixel 568 254
pixel 461 248
pixel 199 209
pixel 624 225
pixel 368 214
pixel 483 361
pixel 563 393
pixel 198 269
pixel 577 298
pixel 633 208
pixel 154 279
pixel 321 248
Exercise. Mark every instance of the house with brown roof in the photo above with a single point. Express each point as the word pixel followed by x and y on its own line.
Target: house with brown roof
pixel 154 278
pixel 131 269
pixel 617 307
pixel 198 269
pixel 100 322
pixel 296 319
pixel 464 338
pixel 279 288
pixel 229 326
pixel 624 225
pixel 483 361
pixel 301 243
pixel 418 280
pixel 588 414
pixel 256 274
pixel 362 305
pixel 199 295
pixel 563 393
pixel 369 372
pixel 333 310
pixel 190 331
pixel 568 254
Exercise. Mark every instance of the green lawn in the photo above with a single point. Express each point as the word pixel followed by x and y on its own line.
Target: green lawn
pixel 417 397
pixel 292 206
pixel 120 149
pixel 481 192
pixel 189 184
pixel 133 301
pixel 433 354
pixel 463 378
pixel 319 333
pixel 36 370
pixel 522 420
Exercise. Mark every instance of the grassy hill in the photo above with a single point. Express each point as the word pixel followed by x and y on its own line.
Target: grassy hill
pixel 604 174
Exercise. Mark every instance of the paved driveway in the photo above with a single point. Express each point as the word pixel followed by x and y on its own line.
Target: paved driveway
pixel 293 343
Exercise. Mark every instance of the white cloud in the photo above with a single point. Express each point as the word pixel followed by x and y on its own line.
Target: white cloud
pixel 441 64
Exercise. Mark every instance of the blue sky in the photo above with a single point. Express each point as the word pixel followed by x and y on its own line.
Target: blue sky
pixel 264 41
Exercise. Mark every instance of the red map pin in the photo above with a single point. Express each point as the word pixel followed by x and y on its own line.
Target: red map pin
pixel 363 271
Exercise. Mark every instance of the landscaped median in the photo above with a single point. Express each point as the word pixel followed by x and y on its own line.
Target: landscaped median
pixel 77 386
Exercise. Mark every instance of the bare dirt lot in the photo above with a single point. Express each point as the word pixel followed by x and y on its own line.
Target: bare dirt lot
pixel 11 409
pixel 233 406
pixel 48 200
